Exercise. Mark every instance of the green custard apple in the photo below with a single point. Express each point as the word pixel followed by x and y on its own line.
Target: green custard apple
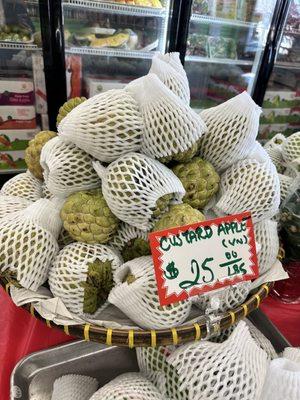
pixel 200 180
pixel 87 217
pixel 67 107
pixel 178 215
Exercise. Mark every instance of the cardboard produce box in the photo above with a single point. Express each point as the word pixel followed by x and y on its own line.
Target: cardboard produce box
pixel 16 92
pixel 17 117
pixel 281 99
pixel 280 116
pixel 96 86
pixel 11 140
pixel 13 160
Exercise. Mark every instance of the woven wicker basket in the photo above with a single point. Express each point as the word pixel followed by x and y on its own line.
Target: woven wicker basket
pixel 138 337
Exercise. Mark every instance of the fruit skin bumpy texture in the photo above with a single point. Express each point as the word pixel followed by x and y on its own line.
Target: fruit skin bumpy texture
pixel 200 181
pixel 67 107
pixel 87 217
pixel 178 215
pixel 33 152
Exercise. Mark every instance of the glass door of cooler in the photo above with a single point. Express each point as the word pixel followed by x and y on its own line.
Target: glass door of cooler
pixel 23 105
pixel 281 106
pixel 225 43
pixel 107 44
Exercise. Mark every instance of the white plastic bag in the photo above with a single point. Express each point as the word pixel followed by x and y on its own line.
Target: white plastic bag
pixel 106 126
pixel 132 186
pixel 232 129
pixel 135 294
pixel 67 169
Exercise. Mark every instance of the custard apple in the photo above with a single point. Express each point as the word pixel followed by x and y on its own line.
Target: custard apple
pixel 33 152
pixel 162 205
pixel 200 181
pixel 97 286
pixel 183 156
pixel 67 107
pixel 178 215
pixel 135 248
pixel 87 217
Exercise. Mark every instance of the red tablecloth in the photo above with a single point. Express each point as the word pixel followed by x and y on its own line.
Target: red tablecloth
pixel 21 334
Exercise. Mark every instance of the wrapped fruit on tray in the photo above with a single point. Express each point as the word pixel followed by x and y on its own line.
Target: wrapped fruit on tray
pixel 122 165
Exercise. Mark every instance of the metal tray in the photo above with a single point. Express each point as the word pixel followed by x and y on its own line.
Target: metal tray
pixel 33 377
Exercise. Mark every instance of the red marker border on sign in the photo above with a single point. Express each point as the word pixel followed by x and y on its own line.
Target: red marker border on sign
pixel 154 238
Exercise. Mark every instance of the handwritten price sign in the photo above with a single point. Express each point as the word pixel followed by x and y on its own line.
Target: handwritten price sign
pixel 197 258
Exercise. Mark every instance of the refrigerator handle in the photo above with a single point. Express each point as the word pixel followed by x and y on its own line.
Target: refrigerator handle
pixel 51 16
pixel 179 29
pixel 269 55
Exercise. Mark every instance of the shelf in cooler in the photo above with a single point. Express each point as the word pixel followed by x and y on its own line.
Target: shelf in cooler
pixel 218 60
pixel 223 21
pixel 288 65
pixel 110 52
pixel 116 8
pixel 18 46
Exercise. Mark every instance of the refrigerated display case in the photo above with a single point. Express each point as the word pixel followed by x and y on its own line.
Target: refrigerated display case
pixel 107 44
pixel 23 104
pixel 224 46
pixel 281 104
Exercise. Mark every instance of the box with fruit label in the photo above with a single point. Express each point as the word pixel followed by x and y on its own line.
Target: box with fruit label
pixel 13 160
pixel 281 99
pixel 280 116
pixel 11 140
pixel 95 86
pixel 16 92
pixel 17 117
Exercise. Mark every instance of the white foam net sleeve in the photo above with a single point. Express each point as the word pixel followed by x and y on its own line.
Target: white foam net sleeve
pixel 27 246
pixel 69 271
pixel 106 126
pixel 175 81
pixel 224 299
pixel 232 129
pixel 274 148
pixel 173 59
pixel 125 234
pixel 286 186
pixel 153 364
pixel 261 340
pixel 171 126
pixel 128 386
pixel 292 353
pixel 259 153
pixel 282 381
pixel 234 369
pixel 10 204
pixel 23 185
pixel 67 169
pixel 291 148
pixel 74 387
pixel 249 186
pixel 275 142
pixel 46 194
pixel 133 184
pixel 267 236
pixel 139 299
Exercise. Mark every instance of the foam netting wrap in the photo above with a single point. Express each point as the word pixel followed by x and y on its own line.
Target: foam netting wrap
pixel 287 186
pixel 176 82
pixel 259 154
pixel 267 236
pixel 224 299
pixel 153 364
pixel 67 169
pixel 28 243
pixel 249 185
pixel 125 234
pixel 106 126
pixel 274 148
pixel 171 126
pixel 46 192
pixel 173 59
pixel 133 184
pixel 232 129
pixel 129 386
pixel 292 353
pixel 282 381
pixel 69 271
pixel 23 185
pixel 74 387
pixel 291 148
pixel 261 340
pixel 234 369
pixel 139 299
pixel 10 204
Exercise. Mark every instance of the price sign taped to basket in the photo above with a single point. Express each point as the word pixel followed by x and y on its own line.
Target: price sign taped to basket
pixel 197 258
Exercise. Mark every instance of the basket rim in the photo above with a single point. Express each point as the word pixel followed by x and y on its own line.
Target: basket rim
pixel 160 337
